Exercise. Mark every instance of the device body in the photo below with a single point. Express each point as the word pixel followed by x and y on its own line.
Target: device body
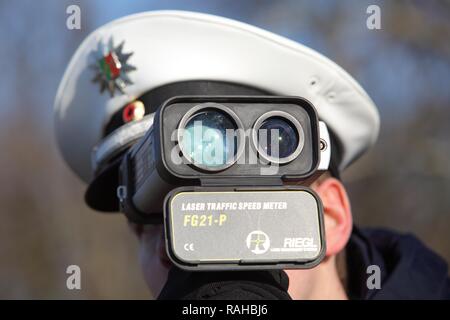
pixel 236 159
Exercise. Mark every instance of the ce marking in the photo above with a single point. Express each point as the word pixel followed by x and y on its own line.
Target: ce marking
pixel 188 247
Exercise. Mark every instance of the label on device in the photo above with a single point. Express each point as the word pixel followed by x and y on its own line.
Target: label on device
pixel 229 229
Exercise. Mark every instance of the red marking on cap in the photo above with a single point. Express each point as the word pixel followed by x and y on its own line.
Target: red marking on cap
pixel 114 65
pixel 128 112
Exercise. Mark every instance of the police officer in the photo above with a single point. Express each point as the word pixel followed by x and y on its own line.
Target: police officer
pixel 123 71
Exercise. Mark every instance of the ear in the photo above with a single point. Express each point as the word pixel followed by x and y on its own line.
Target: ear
pixel 337 214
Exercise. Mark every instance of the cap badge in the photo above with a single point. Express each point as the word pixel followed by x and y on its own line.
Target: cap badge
pixel 111 67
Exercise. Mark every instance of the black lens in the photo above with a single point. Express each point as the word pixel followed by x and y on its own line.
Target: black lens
pixel 210 138
pixel 280 135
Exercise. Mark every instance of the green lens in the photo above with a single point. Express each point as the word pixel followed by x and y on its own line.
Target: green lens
pixel 209 139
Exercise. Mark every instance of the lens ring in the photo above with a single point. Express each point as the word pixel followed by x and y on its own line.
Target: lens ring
pixel 289 118
pixel 221 109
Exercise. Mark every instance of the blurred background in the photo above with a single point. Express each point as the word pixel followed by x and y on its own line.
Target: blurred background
pixel 403 183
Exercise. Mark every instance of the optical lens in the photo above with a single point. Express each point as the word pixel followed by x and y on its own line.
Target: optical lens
pixel 278 137
pixel 209 138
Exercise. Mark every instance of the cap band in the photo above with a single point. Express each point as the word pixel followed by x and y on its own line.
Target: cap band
pixel 119 140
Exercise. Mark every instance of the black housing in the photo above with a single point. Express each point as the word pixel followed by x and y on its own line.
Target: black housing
pixel 149 173
pixel 248 110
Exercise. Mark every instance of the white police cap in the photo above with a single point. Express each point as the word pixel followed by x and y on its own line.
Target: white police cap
pixel 162 47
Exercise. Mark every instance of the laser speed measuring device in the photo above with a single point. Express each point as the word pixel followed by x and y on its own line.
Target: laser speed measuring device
pixel 228 177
